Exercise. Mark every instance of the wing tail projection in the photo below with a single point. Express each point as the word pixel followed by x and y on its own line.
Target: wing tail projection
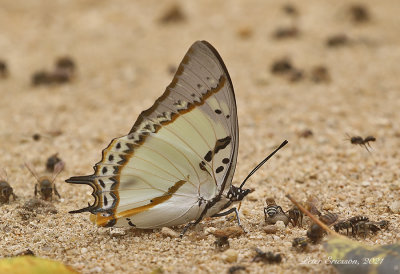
pixel 86 180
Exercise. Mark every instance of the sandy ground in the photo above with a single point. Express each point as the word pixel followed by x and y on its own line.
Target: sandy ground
pixel 124 56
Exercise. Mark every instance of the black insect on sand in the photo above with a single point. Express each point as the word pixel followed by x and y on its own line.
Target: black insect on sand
pixel 358 140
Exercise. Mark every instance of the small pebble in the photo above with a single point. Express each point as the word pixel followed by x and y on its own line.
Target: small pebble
pixel 173 15
pixel 166 231
pixel 365 183
pixel 337 40
pixel 270 229
pixel 230 256
pixel 280 225
pixel 395 207
pixel 276 238
pixel 83 250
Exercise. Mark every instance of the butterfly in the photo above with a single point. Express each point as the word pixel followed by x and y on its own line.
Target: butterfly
pixel 176 164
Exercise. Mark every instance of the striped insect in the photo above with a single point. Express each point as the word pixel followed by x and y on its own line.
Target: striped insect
pixel 274 213
pixel 349 223
pixel 45 185
pixel 176 164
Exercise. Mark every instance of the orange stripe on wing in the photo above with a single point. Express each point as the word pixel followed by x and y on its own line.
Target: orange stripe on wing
pixel 103 221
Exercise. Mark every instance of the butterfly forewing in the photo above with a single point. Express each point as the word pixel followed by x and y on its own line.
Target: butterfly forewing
pixel 180 153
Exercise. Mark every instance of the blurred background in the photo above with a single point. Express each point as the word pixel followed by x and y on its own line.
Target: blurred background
pixel 75 74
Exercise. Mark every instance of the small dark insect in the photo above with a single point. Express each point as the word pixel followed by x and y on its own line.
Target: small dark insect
pixel 349 223
pixel 328 218
pixel 64 70
pixel 300 243
pixel 234 269
pixel 36 137
pixel 41 78
pixel 45 186
pixel 295 216
pixel 286 32
pixel 60 76
pixel 364 228
pixel 358 140
pixel 5 189
pixel 320 74
pixel 66 63
pixel 51 162
pixel 281 66
pixel 306 133
pixel 295 75
pixel 173 15
pixel 359 13
pixel 337 40
pixel 266 257
pixel 344 224
pixel 290 10
pixel 274 213
pixel 3 69
pixel 222 243
pixel 315 232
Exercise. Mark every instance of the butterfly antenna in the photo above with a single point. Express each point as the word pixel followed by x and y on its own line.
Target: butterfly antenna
pixel 263 162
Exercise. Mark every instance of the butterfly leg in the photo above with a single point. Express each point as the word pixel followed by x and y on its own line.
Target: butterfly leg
pixel 233 209
pixel 35 190
pixel 187 227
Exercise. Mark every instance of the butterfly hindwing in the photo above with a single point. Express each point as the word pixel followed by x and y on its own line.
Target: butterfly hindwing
pixel 180 153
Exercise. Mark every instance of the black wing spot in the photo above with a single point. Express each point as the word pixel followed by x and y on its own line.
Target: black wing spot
pixel 193 95
pixel 101 182
pixel 201 165
pixel 131 224
pixel 111 158
pixel 217 111
pixel 219 169
pixel 227 116
pixel 208 156
pixel 199 85
pixel 225 161
pixel 222 143
pixel 151 201
pixel 105 200
pixel 104 170
pixel 118 146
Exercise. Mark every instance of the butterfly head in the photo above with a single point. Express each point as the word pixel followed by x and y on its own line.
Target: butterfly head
pixel 236 194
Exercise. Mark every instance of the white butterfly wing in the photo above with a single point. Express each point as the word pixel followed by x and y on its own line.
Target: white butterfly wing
pixel 179 156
